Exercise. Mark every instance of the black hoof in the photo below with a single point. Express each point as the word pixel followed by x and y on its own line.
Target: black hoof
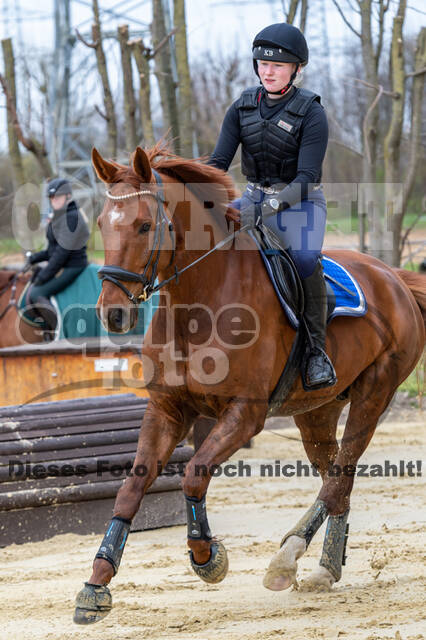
pixel 216 568
pixel 92 604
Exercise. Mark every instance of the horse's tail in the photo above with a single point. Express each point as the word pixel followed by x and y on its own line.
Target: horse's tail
pixel 416 282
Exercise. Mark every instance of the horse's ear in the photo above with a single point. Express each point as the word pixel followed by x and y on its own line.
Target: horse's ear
pixel 105 170
pixel 141 165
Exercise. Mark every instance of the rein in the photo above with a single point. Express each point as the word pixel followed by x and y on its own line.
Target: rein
pixel 13 303
pixel 115 274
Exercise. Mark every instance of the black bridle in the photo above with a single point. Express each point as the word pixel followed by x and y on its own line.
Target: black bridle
pixel 12 284
pixel 117 274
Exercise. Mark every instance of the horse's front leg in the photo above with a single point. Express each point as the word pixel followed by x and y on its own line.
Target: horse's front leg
pixel 240 422
pixel 158 437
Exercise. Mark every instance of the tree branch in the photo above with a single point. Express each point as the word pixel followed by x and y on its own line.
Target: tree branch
pixel 392 94
pixel 415 73
pixel 101 113
pixel 91 45
pixel 409 230
pixel 163 42
pixel 345 20
pixel 365 122
pixel 345 146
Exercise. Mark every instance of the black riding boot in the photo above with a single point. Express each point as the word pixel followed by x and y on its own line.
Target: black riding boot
pixel 47 311
pixel 318 371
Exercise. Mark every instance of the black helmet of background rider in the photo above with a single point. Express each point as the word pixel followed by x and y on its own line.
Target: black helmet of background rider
pixel 281 42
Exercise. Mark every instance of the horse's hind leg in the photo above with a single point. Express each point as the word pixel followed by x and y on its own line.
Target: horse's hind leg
pixel 318 431
pixel 321 448
pixel 370 394
pixel 158 437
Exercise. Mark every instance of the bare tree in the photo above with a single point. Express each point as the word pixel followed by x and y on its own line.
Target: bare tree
pixel 163 72
pixel 394 177
pixel 142 56
pixel 184 80
pixel 109 114
pixel 128 90
pixel 14 151
pixel 28 141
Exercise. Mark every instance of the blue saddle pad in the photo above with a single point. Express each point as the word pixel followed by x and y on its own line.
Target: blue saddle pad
pixel 349 296
pixel 346 291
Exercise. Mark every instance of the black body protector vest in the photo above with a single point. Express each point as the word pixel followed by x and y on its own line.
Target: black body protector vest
pixel 270 148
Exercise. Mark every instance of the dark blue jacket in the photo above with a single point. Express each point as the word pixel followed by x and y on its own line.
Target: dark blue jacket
pixel 67 235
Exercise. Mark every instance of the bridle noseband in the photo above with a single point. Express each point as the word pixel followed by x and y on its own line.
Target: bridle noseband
pixel 117 274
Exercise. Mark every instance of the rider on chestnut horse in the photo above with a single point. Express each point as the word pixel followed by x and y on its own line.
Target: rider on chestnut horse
pixel 67 236
pixel 283 132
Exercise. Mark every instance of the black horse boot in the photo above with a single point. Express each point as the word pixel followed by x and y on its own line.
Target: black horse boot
pixel 317 369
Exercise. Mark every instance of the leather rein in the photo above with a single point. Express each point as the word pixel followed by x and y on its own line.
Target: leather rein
pixel 12 283
pixel 116 275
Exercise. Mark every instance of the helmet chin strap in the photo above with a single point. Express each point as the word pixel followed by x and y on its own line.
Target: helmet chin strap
pixel 284 90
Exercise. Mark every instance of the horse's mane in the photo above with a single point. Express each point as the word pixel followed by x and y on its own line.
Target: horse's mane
pixel 189 171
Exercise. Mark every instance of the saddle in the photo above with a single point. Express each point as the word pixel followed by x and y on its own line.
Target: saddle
pixel 344 298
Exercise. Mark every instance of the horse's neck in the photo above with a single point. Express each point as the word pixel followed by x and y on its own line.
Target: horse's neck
pixel 10 288
pixel 5 277
pixel 198 231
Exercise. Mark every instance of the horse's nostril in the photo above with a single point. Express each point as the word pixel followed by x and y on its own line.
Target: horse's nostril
pixel 115 317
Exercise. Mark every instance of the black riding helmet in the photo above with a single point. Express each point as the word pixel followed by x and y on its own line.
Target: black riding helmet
pixel 58 187
pixel 280 42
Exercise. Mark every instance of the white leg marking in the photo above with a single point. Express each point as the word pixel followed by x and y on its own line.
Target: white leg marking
pixel 282 569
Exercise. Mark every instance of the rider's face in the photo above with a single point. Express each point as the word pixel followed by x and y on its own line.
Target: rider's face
pixel 275 75
pixel 59 201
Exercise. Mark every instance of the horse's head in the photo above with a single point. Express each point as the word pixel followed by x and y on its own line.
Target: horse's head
pixel 135 229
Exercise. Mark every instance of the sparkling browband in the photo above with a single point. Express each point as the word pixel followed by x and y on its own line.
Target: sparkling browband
pixel 126 196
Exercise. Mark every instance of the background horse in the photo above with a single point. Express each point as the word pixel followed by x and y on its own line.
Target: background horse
pixel 217 347
pixel 13 330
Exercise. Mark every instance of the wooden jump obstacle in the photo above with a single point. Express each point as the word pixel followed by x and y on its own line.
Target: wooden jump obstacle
pixel 62 463
pixel 75 368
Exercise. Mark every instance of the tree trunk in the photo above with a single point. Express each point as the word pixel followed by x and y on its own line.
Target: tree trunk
pixel 163 72
pixel 14 151
pixel 292 11
pixel 184 79
pixel 417 97
pixel 142 62
pixel 33 145
pixel 368 191
pixel 392 143
pixel 303 15
pixel 128 91
pixel 103 72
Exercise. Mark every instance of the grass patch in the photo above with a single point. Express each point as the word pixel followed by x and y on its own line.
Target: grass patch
pixel 9 245
pixel 414 385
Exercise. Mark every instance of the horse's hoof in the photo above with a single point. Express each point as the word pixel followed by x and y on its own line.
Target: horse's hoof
pixel 278 579
pixel 321 580
pixel 92 604
pixel 216 568
pixel 282 570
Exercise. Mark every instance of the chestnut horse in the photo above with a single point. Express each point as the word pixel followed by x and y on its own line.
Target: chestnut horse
pixel 217 346
pixel 13 330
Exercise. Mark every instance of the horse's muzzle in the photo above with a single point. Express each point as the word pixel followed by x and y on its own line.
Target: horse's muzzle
pixel 118 319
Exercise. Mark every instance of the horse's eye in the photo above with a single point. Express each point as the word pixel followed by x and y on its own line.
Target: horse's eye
pixel 145 227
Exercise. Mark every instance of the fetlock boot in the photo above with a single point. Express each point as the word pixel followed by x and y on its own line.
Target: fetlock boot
pixel 318 371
